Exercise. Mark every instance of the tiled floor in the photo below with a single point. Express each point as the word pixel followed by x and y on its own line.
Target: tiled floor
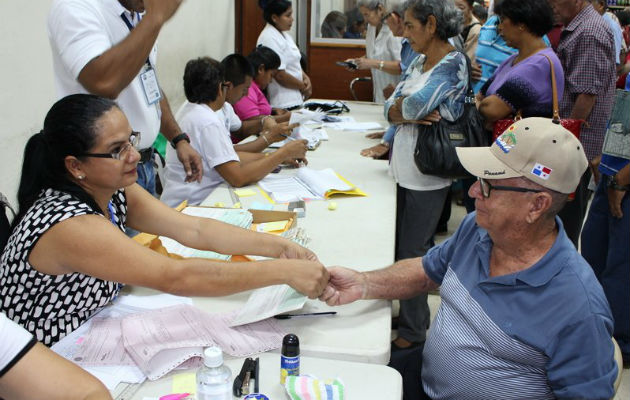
pixel 457 214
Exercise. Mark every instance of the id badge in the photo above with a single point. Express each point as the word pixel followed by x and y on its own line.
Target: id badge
pixel 150 85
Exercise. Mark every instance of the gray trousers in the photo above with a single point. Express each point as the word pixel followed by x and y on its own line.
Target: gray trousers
pixel 417 215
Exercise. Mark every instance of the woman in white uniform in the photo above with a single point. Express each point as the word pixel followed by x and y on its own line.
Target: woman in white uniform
pixel 381 46
pixel 290 85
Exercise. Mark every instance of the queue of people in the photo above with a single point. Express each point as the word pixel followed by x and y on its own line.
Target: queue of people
pixel 519 301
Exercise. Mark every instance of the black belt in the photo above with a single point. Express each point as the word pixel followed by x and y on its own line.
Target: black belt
pixel 146 154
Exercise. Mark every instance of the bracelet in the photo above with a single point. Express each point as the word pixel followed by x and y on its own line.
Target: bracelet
pixel 381 64
pixel 262 135
pixel 384 143
pixel 614 185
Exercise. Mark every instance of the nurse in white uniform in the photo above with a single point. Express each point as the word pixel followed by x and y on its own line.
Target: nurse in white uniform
pixel 290 85
pixel 380 46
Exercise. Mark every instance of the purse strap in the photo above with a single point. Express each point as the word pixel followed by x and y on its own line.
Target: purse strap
pixel 554 91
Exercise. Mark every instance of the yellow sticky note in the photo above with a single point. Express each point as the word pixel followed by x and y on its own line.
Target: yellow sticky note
pixel 185 383
pixel 272 226
pixel 245 192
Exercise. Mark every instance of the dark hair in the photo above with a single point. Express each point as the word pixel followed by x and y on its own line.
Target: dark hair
pixel 70 129
pixel 480 12
pixel 334 24
pixel 236 68
pixel 264 56
pixel 624 17
pixel 202 77
pixel 536 15
pixel 449 19
pixel 471 3
pixel 273 7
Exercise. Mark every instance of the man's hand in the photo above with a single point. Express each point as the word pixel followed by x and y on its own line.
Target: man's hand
pixel 614 202
pixel 345 286
pixel 191 160
pixel 161 10
pixel 476 72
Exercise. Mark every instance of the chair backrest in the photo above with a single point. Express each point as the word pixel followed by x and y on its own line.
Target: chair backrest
pixel 5 225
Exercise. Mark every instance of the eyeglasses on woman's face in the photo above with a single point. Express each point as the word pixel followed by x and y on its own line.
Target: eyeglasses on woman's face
pixel 121 152
pixel 486 188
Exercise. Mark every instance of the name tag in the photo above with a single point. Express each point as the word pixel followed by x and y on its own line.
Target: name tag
pixel 150 85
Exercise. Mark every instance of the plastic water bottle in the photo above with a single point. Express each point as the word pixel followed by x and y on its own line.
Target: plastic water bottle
pixel 214 380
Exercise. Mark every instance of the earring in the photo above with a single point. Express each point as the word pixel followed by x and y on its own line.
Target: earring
pixel 81 177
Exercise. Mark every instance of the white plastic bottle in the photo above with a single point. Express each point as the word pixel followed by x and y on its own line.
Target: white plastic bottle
pixel 214 380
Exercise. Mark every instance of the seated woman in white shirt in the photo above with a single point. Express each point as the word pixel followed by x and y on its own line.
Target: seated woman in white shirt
pixel 206 93
pixel 29 370
pixel 290 86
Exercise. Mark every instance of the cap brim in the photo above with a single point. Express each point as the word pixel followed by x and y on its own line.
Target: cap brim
pixel 480 161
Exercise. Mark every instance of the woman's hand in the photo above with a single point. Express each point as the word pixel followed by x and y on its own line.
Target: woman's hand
pixel 395 115
pixel 362 63
pixel 293 250
pixel 309 278
pixel 375 135
pixel 308 88
pixel 294 152
pixel 280 131
pixel 375 152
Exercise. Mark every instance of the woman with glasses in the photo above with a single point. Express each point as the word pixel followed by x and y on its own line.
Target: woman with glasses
pixel 382 48
pixel 68 254
pixel 522 83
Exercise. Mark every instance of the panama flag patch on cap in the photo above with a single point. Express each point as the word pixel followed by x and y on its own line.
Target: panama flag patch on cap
pixel 541 171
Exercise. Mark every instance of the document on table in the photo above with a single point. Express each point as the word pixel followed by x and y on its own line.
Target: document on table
pixel 307 184
pixel 267 302
pixel 355 126
pixel 303 115
pixel 314 136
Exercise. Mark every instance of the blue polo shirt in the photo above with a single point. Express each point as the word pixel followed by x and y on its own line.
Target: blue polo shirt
pixel 542 333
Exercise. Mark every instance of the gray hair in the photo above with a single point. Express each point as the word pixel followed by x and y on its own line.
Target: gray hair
pixel 449 19
pixel 371 4
pixel 398 7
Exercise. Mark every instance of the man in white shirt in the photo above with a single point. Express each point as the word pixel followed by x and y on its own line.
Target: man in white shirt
pixel 108 48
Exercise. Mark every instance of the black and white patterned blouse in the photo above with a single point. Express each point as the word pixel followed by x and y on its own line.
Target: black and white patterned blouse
pixel 51 306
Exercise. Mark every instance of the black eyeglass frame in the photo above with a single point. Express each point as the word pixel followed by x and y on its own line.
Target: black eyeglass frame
pixel 483 183
pixel 134 137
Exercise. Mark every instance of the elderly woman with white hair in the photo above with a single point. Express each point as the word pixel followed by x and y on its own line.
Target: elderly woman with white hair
pixel 381 46
pixel 435 81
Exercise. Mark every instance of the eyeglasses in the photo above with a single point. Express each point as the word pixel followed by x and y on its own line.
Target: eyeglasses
pixel 486 188
pixel 122 152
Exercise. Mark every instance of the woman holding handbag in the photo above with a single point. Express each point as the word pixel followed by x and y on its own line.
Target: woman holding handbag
pixel 522 83
pixel 437 80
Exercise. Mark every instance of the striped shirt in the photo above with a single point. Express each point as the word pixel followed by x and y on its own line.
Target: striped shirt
pixel 516 336
pixel 587 53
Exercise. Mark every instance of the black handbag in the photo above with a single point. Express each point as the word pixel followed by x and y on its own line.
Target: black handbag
pixel 435 149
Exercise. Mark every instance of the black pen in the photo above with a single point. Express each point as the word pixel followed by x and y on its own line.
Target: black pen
pixel 287 136
pixel 288 316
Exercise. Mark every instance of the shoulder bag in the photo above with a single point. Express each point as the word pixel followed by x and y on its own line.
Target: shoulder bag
pixel 572 125
pixel 435 149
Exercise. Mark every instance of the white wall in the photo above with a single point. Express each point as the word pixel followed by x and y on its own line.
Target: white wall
pixel 200 27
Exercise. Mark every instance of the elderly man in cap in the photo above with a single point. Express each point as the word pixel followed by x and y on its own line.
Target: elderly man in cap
pixel 522 315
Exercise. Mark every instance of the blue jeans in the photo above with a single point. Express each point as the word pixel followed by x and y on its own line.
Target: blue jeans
pixel 146 176
pixel 605 245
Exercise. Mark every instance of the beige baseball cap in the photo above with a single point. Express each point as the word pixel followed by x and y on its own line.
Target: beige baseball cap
pixel 535 148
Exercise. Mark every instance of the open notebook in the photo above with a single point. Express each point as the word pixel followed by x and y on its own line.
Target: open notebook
pixel 308 184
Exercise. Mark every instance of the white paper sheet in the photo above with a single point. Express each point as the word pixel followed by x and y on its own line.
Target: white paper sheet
pixel 303 115
pixel 283 188
pixel 267 302
pixel 322 181
pixel 355 126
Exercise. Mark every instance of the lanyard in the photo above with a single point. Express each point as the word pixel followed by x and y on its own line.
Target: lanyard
pixel 110 207
pixel 130 26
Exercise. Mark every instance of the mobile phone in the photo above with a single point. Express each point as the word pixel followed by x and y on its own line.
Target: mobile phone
pixel 347 64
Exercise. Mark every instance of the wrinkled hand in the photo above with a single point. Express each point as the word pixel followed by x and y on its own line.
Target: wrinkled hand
pixel 161 10
pixel 615 198
pixel 375 151
pixel 388 90
pixel 345 286
pixel 191 160
pixel 309 278
pixel 594 166
pixel 375 135
pixel 476 72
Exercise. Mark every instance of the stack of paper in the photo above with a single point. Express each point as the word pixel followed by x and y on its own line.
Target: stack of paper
pixel 308 184
pixel 237 217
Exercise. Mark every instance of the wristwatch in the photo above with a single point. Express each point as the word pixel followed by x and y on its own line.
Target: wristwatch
pixel 612 183
pixel 381 64
pixel 179 138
